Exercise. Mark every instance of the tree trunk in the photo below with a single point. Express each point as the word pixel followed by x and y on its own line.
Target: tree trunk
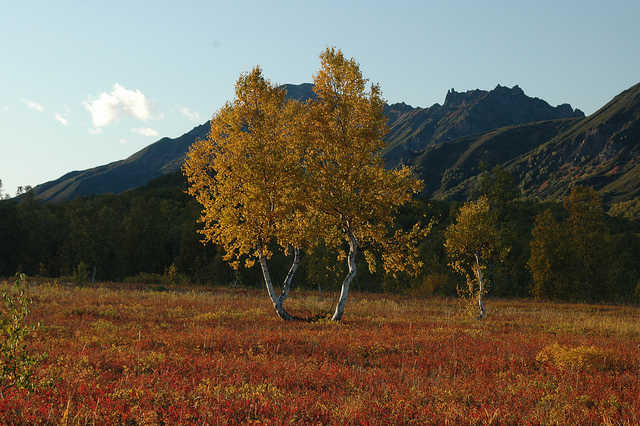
pixel 480 279
pixel 278 301
pixel 353 251
pixel 289 278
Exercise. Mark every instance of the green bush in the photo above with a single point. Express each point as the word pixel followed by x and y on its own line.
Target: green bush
pixel 171 276
pixel 16 363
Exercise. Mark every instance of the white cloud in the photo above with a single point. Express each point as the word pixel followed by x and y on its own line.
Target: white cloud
pixel 120 101
pixel 95 131
pixel 191 115
pixel 145 131
pixel 33 105
pixel 62 119
pixel 5 108
pixel 123 141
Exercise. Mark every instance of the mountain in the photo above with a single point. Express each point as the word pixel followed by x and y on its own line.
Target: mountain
pixel 548 158
pixel 412 130
pixel 463 114
pixel 415 136
pixel 449 169
pixel 601 151
pixel 160 158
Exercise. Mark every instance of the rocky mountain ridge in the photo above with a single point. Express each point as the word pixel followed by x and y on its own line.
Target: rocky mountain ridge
pixel 546 148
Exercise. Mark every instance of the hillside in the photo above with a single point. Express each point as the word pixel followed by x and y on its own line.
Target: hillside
pixel 412 130
pixel 548 158
pixel 160 158
pixel 463 114
pixel 448 168
pixel 601 151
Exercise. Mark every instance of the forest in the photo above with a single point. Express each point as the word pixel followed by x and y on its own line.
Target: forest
pixel 278 177
pixel 149 235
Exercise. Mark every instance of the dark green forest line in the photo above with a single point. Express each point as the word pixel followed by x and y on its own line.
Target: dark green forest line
pixel 150 234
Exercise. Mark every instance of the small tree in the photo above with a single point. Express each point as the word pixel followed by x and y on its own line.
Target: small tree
pixel 472 243
pixel 589 241
pixel 499 186
pixel 569 259
pixel 248 175
pixel 550 258
pixel 16 363
pixel 80 273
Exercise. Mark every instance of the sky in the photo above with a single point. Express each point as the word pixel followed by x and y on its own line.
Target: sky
pixel 86 83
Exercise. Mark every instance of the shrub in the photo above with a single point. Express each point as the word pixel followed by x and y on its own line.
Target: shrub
pixel 429 285
pixel 171 276
pixel 580 358
pixel 80 273
pixel 16 363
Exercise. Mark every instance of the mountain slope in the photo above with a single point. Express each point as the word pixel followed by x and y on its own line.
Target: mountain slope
pixel 463 114
pixel 447 167
pixel 412 130
pixel 601 151
pixel 547 158
pixel 160 158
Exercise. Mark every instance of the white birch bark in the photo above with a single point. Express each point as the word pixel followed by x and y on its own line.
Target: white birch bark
pixel 342 301
pixel 279 301
pixel 289 278
pixel 267 281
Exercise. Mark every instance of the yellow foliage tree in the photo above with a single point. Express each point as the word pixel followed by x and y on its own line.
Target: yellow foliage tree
pixel 471 243
pixel 277 173
pixel 249 178
pixel 353 196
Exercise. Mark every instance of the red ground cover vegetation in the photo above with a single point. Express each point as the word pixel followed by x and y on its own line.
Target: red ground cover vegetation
pixel 221 356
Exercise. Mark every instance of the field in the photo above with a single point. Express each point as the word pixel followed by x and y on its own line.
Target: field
pixel 220 356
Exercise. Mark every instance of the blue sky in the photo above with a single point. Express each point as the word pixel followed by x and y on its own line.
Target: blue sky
pixel 86 83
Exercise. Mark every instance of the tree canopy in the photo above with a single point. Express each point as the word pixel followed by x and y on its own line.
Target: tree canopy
pixel 248 176
pixel 247 173
pixel 572 259
pixel 280 173
pixel 353 193
pixel 472 243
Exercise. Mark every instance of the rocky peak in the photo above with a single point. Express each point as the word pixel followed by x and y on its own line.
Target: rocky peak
pixel 456 99
pixel 506 91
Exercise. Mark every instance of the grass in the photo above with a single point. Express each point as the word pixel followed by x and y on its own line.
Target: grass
pixel 119 354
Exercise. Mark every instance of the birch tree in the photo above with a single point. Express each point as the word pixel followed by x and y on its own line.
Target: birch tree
pixel 353 196
pixel 249 178
pixel 276 173
pixel 472 242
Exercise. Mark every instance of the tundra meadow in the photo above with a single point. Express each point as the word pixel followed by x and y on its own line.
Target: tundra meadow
pixel 117 353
